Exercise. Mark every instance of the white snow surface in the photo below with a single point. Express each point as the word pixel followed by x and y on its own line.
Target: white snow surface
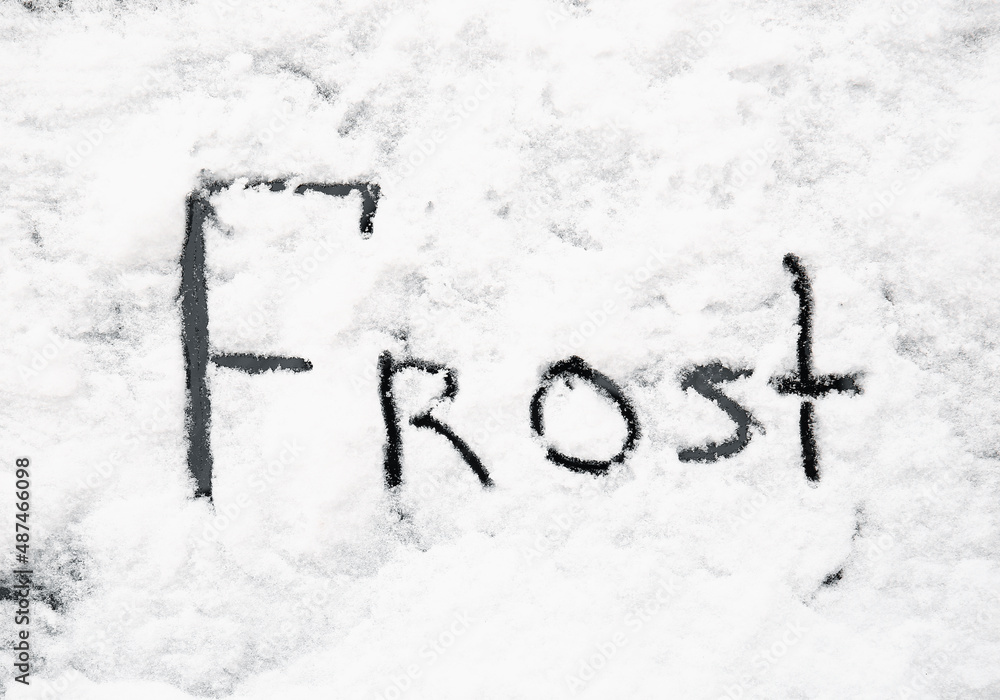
pixel 614 180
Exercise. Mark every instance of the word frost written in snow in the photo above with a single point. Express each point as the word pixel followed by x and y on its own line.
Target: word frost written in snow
pixel 703 379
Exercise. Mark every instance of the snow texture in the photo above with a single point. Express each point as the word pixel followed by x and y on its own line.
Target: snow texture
pixel 614 180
